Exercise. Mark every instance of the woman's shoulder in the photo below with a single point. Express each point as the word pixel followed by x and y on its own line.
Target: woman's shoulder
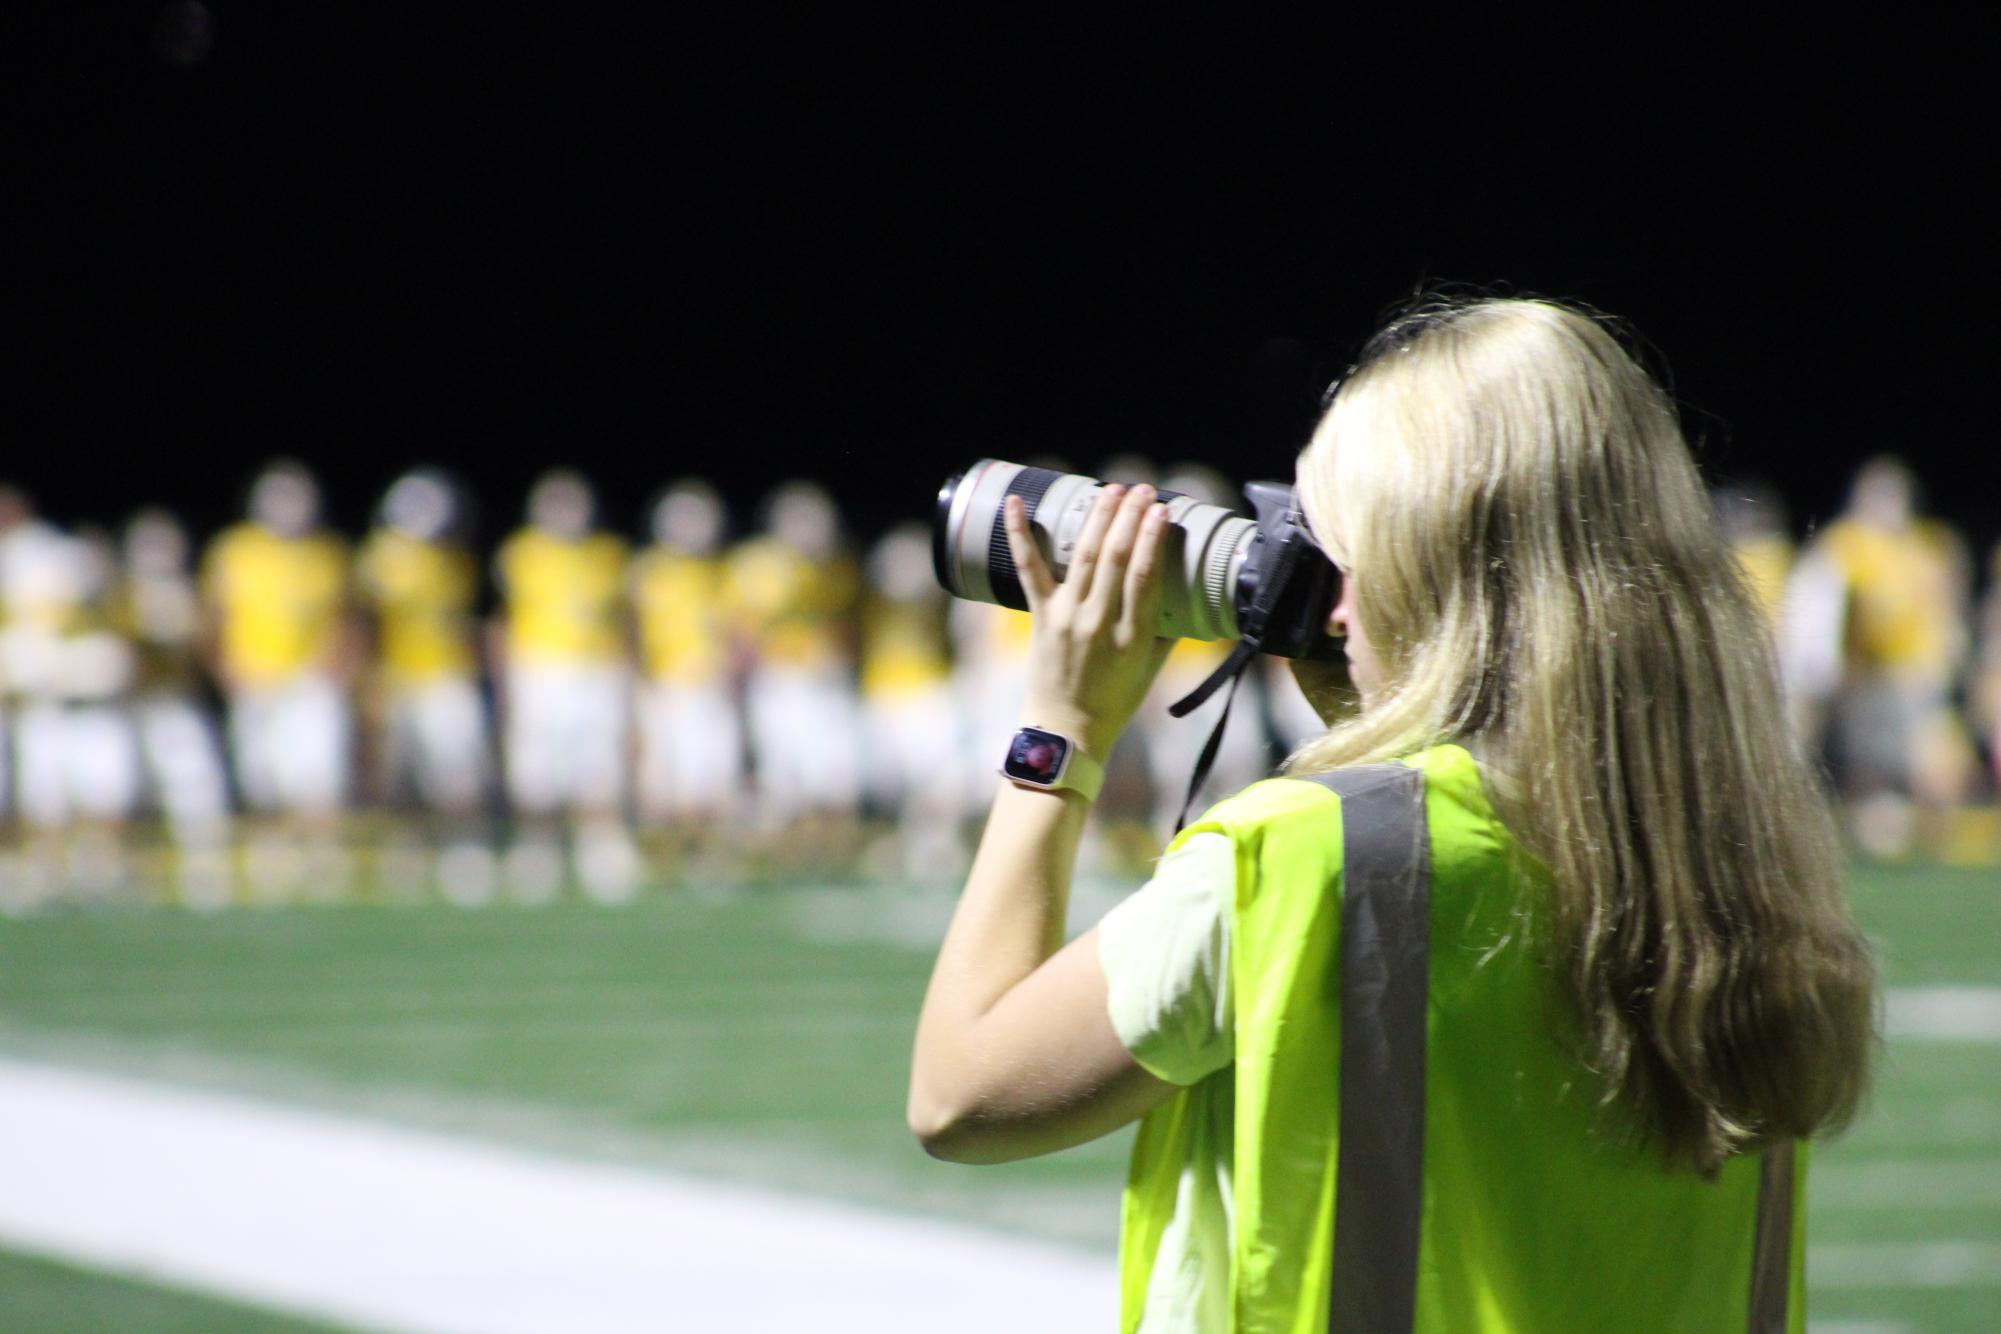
pixel 1263 801
pixel 1453 791
pixel 1448 765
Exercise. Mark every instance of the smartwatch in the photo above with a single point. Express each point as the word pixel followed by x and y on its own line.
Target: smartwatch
pixel 1053 762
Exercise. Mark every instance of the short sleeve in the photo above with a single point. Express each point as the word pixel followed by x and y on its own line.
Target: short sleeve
pixel 1165 953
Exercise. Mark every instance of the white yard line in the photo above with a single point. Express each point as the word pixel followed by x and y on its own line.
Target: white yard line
pixel 1952 1263
pixel 1944 1014
pixel 1904 1183
pixel 406 1230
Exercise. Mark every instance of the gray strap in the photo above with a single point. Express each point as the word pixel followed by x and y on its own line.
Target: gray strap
pixel 1772 1251
pixel 1385 967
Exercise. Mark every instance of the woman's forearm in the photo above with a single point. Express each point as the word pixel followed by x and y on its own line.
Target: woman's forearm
pixel 988 1078
pixel 1009 920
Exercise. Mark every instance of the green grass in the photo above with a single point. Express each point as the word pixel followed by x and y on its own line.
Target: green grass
pixel 40 1296
pixel 763 1036
pixel 726 1036
pixel 1924 1164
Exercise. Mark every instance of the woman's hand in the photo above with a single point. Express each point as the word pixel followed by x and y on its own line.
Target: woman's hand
pixel 1093 651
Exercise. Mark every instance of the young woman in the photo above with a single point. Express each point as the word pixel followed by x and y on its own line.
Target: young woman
pixel 1510 1005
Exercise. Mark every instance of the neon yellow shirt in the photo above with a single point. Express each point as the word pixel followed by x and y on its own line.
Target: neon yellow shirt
pixel 1223 977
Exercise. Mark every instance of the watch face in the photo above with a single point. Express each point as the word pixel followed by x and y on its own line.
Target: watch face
pixel 1036 756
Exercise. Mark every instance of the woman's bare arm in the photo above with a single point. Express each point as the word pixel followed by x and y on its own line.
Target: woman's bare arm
pixel 1015 1052
pixel 1016 1055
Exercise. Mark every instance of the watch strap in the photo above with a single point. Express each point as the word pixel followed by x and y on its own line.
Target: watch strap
pixel 1082 773
pixel 1079 771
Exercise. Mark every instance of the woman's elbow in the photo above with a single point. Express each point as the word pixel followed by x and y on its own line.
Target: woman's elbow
pixel 950 1132
pixel 937 1126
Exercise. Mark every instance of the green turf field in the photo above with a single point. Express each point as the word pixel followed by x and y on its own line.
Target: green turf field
pixel 40 1296
pixel 762 1035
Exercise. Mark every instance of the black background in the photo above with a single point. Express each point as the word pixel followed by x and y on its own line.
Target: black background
pixel 765 242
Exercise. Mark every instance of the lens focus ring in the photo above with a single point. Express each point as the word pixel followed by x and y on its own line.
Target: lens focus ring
pixel 1217 594
pixel 1002 577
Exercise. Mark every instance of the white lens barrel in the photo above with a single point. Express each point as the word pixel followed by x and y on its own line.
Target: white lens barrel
pixel 1204 551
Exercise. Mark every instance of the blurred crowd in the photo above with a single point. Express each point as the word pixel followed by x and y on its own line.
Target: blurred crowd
pixel 1891 657
pixel 283 714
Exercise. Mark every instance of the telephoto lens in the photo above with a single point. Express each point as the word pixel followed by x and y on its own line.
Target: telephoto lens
pixel 1224 575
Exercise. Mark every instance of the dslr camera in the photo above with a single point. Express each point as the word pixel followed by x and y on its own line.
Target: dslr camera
pixel 1261 581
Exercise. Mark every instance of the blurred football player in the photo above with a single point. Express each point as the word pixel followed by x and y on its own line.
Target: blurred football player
pixel 22 535
pixel 417 577
pixel 1174 745
pixel 1753 519
pixel 1876 617
pixel 563 653
pixel 1131 470
pixel 912 755
pixel 989 678
pixel 284 652
pixel 76 765
pixel 161 611
pixel 794 589
pixel 690 735
pixel 1987 676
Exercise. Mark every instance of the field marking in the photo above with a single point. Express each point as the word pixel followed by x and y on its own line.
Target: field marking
pixel 1903 1183
pixel 396 1229
pixel 1904 1264
pixel 1943 1014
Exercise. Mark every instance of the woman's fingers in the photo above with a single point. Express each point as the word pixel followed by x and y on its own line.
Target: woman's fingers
pixel 1107 591
pixel 1036 581
pixel 1140 615
pixel 1084 560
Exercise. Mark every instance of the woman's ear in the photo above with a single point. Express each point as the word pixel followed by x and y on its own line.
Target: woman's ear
pixel 1343 608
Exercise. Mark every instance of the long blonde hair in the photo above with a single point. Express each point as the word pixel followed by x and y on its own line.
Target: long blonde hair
pixel 1540 572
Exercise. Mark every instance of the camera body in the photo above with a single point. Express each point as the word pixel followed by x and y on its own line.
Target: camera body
pixel 1259 580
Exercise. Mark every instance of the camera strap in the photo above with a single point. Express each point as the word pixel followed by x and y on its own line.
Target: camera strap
pixel 1292 547
pixel 1231 669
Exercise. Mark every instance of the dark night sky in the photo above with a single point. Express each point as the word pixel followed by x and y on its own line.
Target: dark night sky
pixel 762 243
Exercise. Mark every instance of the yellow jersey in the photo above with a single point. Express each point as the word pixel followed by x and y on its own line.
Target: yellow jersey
pixel 996 633
pixel 1191 660
pixel 49 609
pixel 903 646
pixel 795 611
pixel 565 599
pixel 161 615
pixel 1903 612
pixel 280 601
pixel 683 621
pixel 422 593
pixel 1987 680
pixel 1765 562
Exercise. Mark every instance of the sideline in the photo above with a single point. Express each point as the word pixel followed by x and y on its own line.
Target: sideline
pixel 1943 1014
pixel 395 1229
